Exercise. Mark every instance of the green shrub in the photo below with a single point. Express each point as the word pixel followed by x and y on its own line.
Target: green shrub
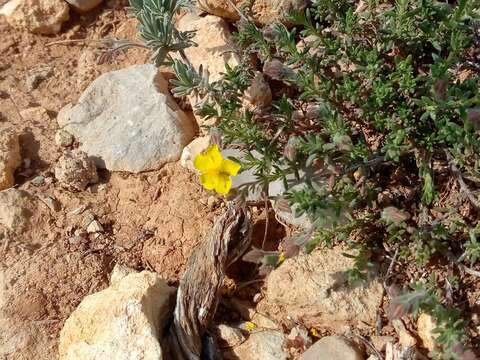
pixel 376 112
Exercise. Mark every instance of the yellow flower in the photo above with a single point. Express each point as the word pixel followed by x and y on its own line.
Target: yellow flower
pixel 250 326
pixel 314 332
pixel 215 170
pixel 281 258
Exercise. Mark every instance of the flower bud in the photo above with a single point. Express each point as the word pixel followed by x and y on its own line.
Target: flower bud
pixel 290 150
pixel 215 137
pixel 275 70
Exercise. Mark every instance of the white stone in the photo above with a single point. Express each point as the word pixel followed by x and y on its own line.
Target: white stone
pixel 127 121
pixel 83 6
pixel 310 288
pixel 37 16
pixel 262 345
pixel 332 348
pixel 63 138
pixel 14 209
pixel 94 227
pixel 229 335
pixel 122 322
pixel 10 158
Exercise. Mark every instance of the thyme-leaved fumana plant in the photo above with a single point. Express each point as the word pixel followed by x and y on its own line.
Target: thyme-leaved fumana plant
pixel 374 131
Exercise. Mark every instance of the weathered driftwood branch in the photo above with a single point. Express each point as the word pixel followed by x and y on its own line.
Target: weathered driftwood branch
pixel 199 290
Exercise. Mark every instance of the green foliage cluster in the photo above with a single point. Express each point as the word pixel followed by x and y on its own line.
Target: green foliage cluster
pixel 157 29
pixel 450 327
pixel 376 113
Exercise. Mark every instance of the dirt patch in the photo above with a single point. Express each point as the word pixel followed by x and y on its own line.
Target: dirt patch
pixel 150 221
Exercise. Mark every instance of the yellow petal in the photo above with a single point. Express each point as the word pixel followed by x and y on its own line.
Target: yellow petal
pixel 209 160
pixel 223 185
pixel 229 167
pixel 249 326
pixel 314 332
pixel 209 180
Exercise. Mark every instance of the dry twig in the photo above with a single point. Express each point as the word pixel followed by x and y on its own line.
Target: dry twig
pixel 199 291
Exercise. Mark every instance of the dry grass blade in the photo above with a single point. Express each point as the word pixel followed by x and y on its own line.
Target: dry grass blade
pixel 199 291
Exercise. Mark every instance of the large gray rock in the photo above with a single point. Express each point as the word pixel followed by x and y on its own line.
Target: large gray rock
pixel 127 121
pixel 332 348
pixel 311 289
pixel 122 322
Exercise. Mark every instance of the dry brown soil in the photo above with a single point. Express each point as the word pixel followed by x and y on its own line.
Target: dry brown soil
pixel 151 220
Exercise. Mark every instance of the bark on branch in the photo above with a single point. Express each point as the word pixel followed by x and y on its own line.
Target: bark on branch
pixel 199 290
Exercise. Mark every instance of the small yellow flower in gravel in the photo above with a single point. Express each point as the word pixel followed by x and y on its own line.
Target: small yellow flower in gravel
pixel 215 170
pixel 281 258
pixel 314 332
pixel 250 326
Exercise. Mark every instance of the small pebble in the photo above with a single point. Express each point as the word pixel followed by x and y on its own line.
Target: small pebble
pixel 78 210
pixel 102 187
pixel 88 218
pixel 79 232
pixel 74 240
pixel 257 297
pixel 63 138
pixel 229 335
pixel 38 180
pixel 94 227
pixel 51 202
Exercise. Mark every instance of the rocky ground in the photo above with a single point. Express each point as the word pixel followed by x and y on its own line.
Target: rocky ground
pixel 91 182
